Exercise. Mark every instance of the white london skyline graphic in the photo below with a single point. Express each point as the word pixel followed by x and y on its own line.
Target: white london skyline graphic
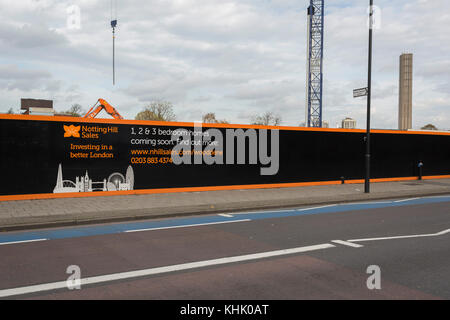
pixel 115 182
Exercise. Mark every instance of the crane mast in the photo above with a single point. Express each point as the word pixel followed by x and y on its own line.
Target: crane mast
pixel 314 70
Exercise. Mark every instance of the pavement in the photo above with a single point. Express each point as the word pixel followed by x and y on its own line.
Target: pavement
pixel 28 214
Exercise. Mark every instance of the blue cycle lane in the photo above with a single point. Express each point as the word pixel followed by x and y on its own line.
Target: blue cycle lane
pixel 76 232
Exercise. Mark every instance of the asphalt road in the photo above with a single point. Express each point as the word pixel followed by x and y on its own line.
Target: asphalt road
pixel 286 254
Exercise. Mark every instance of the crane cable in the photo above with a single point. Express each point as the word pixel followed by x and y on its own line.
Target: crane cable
pixel 113 10
pixel 113 25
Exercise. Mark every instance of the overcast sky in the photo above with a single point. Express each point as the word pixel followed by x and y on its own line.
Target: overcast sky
pixel 234 58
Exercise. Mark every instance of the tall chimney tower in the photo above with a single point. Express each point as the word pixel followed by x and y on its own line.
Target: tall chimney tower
pixel 405 92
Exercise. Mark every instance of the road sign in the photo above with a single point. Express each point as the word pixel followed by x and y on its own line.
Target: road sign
pixel 362 92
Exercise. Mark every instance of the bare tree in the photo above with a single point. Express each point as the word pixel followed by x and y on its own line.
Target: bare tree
pixel 75 110
pixel 267 119
pixel 157 111
pixel 211 118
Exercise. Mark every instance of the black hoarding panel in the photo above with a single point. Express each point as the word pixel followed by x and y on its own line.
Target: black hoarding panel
pixel 42 157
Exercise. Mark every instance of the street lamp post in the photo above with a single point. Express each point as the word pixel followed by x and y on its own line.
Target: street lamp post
pixel 369 94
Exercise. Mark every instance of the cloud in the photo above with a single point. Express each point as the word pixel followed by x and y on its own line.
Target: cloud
pixel 12 72
pixel 234 58
pixel 14 78
pixel 29 36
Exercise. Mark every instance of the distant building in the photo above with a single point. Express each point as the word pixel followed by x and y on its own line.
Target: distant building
pixel 349 123
pixel 405 92
pixel 40 107
pixel 37 107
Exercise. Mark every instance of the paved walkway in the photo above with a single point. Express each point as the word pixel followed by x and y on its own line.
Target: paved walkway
pixel 55 212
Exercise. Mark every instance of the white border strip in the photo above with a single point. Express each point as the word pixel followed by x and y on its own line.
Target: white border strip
pixel 313 208
pixel 263 211
pixel 226 215
pixel 23 241
pixel 404 200
pixel 189 225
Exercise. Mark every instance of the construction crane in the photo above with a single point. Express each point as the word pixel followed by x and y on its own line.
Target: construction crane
pixel 103 105
pixel 314 68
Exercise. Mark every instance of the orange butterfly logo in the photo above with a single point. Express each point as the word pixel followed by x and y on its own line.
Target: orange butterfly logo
pixel 72 131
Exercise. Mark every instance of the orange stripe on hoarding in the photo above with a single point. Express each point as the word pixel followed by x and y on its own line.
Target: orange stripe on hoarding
pixel 163 190
pixel 436 177
pixel 199 189
pixel 206 125
pixel 355 181
pixel 393 179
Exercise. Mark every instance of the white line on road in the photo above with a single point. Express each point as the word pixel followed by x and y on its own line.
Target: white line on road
pixel 404 200
pixel 446 196
pixel 290 210
pixel 257 212
pixel 305 209
pixel 23 241
pixel 346 243
pixel 159 270
pixel 360 203
pixel 403 237
pixel 443 232
pixel 225 215
pixel 188 225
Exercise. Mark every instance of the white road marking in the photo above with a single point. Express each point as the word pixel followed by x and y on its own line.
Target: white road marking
pixel 443 232
pixel 346 243
pixel 225 215
pixel 159 270
pixel 359 203
pixel 305 209
pixel 258 212
pixel 404 200
pixel 337 204
pixel 447 196
pixel 403 237
pixel 290 210
pixel 188 225
pixel 251 212
pixel 23 241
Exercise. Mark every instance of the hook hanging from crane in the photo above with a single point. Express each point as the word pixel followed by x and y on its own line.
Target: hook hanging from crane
pixel 113 26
